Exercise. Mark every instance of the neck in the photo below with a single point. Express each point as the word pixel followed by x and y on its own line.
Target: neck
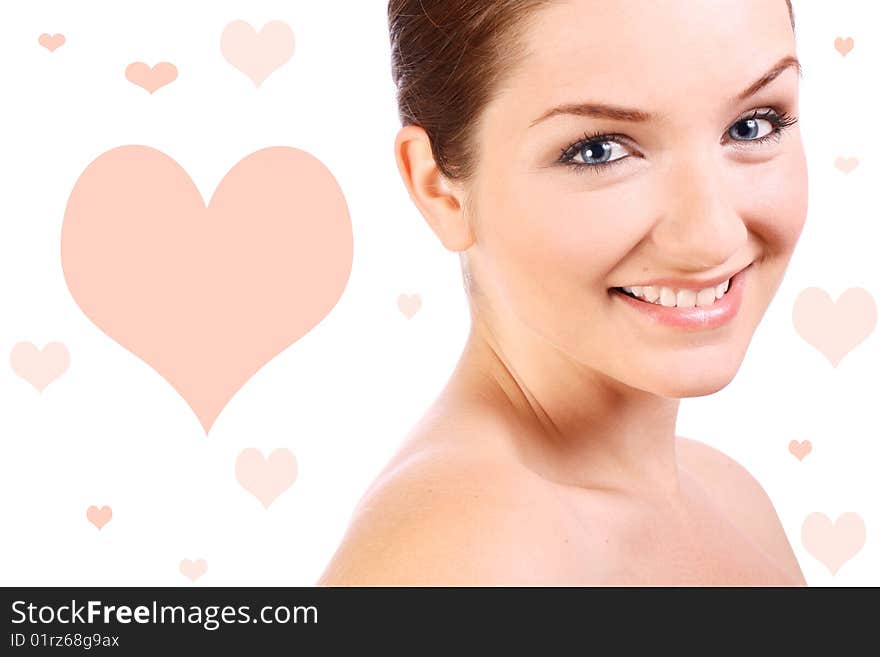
pixel 569 423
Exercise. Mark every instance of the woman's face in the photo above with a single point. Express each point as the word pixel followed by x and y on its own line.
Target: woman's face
pixel 692 193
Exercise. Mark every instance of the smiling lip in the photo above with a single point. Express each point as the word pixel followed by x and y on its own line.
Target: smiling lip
pixel 699 317
pixel 687 284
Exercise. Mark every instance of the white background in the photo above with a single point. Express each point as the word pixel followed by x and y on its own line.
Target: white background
pixel 112 431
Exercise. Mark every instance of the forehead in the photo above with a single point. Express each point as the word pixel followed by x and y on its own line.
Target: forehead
pixel 656 54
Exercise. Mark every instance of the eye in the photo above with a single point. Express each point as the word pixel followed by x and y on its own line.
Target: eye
pixel 596 151
pixel 748 127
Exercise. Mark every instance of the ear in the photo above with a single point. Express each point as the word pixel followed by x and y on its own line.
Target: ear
pixel 437 198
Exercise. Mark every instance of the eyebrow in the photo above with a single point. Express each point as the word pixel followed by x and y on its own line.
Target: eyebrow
pixel 618 113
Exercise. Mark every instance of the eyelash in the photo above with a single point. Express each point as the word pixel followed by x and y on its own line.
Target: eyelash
pixel 780 120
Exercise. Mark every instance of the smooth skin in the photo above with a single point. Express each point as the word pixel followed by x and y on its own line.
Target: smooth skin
pixel 550 457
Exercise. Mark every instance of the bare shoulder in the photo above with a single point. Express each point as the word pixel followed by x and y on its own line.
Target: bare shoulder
pixel 737 491
pixel 444 518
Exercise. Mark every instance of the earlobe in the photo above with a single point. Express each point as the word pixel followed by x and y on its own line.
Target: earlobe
pixel 437 198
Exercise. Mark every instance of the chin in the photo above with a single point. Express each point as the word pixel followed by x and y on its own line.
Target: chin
pixel 698 385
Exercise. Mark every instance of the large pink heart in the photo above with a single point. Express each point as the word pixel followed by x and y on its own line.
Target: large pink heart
pixel 206 296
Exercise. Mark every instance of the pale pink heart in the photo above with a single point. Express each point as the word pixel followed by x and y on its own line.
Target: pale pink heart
pixel 149 78
pixel 266 478
pixel 52 42
pixel 257 55
pixel 99 517
pixel 835 329
pixel 800 448
pixel 835 544
pixel 206 295
pixel 193 569
pixel 846 164
pixel 843 46
pixel 39 367
pixel 409 304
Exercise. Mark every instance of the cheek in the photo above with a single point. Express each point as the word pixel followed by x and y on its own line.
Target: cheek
pixel 775 208
pixel 569 239
pixel 550 247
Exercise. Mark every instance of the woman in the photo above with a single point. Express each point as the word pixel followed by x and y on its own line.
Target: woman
pixel 625 182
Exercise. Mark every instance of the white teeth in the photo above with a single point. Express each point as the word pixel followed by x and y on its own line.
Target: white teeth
pixel 686 299
pixel 667 296
pixel 649 292
pixel 707 297
pixel 682 298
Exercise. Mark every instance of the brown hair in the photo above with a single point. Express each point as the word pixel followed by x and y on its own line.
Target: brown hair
pixel 448 57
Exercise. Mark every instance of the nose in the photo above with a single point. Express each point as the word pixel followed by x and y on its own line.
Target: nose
pixel 700 227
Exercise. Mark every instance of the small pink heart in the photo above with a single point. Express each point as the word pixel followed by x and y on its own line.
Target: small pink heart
pixel 833 545
pixel 193 569
pixel 52 42
pixel 846 164
pixel 834 329
pixel 39 368
pixel 257 55
pixel 99 517
pixel 800 448
pixel 843 46
pixel 265 478
pixel 409 304
pixel 153 78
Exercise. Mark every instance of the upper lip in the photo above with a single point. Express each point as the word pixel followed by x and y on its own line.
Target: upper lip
pixel 689 283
